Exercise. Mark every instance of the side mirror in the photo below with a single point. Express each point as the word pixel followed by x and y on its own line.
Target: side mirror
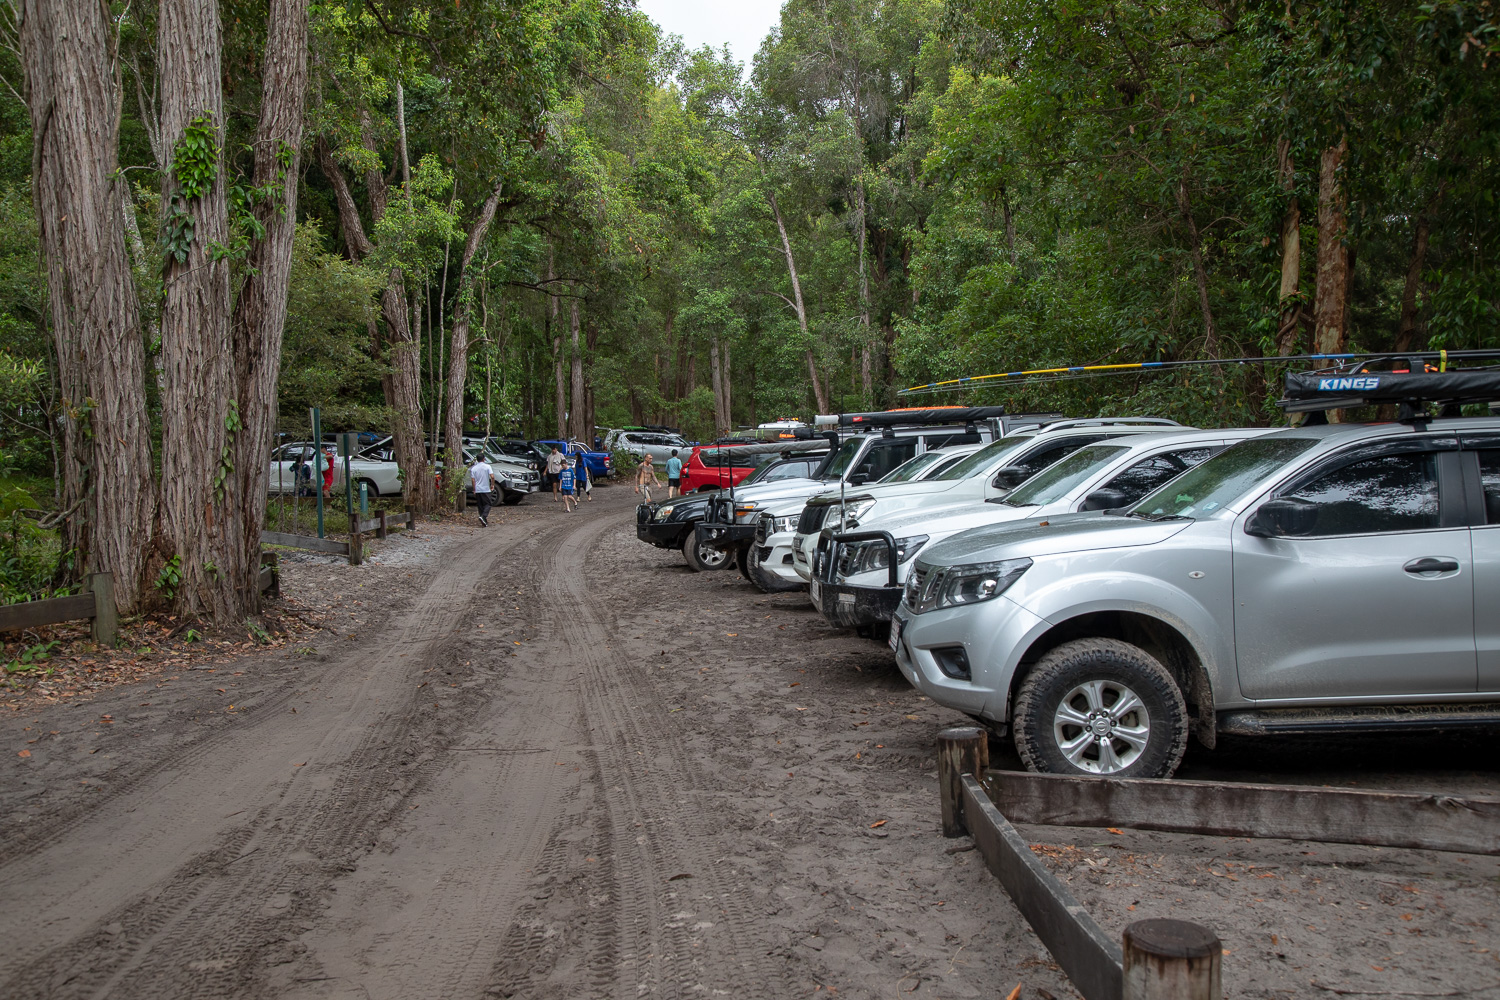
pixel 1284 517
pixel 1010 477
pixel 1105 500
pixel 858 479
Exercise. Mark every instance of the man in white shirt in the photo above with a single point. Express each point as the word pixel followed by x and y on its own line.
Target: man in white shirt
pixel 555 463
pixel 483 479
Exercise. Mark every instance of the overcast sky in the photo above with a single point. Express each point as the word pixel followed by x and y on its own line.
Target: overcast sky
pixel 741 23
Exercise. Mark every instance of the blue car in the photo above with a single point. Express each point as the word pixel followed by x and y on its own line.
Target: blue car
pixel 597 462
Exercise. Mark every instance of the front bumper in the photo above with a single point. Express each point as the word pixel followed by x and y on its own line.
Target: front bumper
pixel 662 534
pixel 991 635
pixel 776 557
pixel 854 607
pixel 724 536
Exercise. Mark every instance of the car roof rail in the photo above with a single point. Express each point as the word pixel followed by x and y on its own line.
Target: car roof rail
pixel 1111 422
pixel 918 416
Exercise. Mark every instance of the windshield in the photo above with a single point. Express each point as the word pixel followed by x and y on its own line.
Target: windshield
pixel 1208 487
pixel 984 457
pixel 1059 479
pixel 914 468
pixel 841 460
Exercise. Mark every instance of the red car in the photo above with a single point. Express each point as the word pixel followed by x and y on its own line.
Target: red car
pixel 712 467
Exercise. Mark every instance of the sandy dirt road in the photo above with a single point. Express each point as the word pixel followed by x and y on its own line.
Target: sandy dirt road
pixel 543 760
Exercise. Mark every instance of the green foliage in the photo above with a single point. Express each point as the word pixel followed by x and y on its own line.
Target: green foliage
pixel 170 577
pixel 32 658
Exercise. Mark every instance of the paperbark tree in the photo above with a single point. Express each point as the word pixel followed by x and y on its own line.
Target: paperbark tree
pixel 1200 272
pixel 579 411
pixel 1289 327
pixel 197 415
pixel 1331 297
pixel 78 192
pixel 260 310
pixel 458 353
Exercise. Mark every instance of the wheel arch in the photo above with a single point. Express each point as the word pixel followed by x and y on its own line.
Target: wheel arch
pixel 1167 643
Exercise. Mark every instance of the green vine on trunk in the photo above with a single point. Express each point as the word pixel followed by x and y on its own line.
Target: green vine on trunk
pixel 232 425
pixel 195 167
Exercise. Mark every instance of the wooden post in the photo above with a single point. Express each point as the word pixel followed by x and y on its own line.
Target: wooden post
pixel 382 528
pixel 356 544
pixel 106 616
pixel 1171 960
pixel 411 522
pixel 962 750
pixel 270 561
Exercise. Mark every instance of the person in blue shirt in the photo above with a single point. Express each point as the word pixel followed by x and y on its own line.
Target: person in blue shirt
pixel 674 475
pixel 565 487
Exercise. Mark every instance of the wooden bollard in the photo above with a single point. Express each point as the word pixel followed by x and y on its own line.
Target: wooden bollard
pixel 356 542
pixel 1171 960
pixel 961 750
pixel 382 528
pixel 106 616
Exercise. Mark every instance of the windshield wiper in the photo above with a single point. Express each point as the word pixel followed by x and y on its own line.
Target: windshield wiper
pixel 1012 503
pixel 1158 517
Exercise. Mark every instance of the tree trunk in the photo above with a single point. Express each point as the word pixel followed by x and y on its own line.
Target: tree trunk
pixel 717 374
pixel 1289 328
pixel 197 415
pixel 1330 298
pixel 555 325
pixel 579 411
pixel 866 381
pixel 1408 328
pixel 77 190
pixel 1200 273
pixel 819 394
pixel 260 312
pixel 728 386
pixel 403 383
pixel 458 354
pixel 1010 225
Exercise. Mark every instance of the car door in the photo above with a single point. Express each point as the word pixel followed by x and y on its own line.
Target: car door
pixel 1485 539
pixel 1376 598
pixel 1034 459
pixel 881 458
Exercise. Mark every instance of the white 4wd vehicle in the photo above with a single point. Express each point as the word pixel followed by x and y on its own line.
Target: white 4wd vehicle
pixel 1331 578
pixel 768 563
pixel 856 583
pixel 381 477
pixel 988 474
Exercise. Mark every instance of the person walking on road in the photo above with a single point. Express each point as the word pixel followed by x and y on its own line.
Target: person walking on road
pixel 565 485
pixel 482 477
pixel 583 486
pixel 674 475
pixel 645 477
pixel 555 463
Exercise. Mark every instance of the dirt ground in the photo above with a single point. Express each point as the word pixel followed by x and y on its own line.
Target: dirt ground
pixel 543 760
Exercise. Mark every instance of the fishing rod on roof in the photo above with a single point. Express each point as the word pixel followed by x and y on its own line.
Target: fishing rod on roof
pixel 1322 362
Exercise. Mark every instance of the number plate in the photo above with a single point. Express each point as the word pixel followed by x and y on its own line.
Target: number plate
pixel 815 591
pixel 895 639
pixel 797 545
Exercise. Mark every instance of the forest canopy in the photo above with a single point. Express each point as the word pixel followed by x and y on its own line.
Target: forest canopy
pixel 543 218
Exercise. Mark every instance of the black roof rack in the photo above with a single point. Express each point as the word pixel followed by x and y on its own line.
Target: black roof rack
pixel 1415 384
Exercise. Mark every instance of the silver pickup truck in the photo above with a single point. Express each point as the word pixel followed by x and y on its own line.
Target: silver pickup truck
pixel 1338 577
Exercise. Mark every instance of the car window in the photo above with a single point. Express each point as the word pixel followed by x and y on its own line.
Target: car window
pixel 1036 461
pixel 1489 475
pixel 1378 494
pixel 985 457
pixel 1220 480
pixel 935 441
pixel 1060 478
pixel 945 462
pixel 913 468
pixel 881 459
pixel 1145 476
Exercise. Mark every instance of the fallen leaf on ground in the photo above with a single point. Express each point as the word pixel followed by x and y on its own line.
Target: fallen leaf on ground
pixel 795 684
pixel 24 753
pixel 1013 994
pixel 1114 830
pixel 877 823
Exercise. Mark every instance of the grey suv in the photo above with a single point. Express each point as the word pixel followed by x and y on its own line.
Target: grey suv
pixel 1344 576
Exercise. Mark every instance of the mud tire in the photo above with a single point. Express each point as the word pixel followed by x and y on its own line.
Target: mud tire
pixel 1063 669
pixel 701 559
pixel 765 581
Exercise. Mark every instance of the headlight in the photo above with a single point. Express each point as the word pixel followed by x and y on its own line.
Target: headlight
pixel 743 510
pixel 853 511
pixel 781 524
pixel 956 586
pixel 871 555
pixel 662 513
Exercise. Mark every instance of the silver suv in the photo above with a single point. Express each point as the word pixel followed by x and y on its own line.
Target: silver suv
pixel 1343 576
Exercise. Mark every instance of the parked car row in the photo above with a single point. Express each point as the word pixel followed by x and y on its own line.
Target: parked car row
pixel 1099 590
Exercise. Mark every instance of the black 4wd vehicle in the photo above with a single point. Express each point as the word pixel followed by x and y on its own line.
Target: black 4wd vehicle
pixel 669 524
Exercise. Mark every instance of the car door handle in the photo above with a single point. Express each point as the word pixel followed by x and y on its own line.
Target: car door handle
pixel 1428 564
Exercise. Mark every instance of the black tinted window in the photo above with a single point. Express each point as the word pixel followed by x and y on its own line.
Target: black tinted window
pixel 1038 460
pixel 1143 477
pixel 1384 493
pixel 883 458
pixel 935 441
pixel 1489 474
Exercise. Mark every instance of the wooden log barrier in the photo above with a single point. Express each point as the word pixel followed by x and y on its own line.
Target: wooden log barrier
pixel 106 625
pixel 1171 960
pixel 382 529
pixel 961 750
pixel 304 542
pixel 1078 944
pixel 356 540
pixel 1230 809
